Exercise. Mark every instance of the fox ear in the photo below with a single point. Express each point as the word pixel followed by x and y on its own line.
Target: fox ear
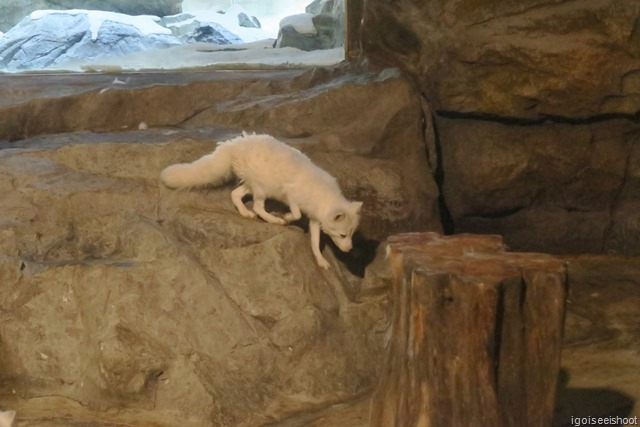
pixel 338 216
pixel 356 206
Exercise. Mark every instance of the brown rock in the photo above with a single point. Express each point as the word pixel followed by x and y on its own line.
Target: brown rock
pixel 554 188
pixel 512 59
pixel 166 305
pixel 534 108
pixel 364 128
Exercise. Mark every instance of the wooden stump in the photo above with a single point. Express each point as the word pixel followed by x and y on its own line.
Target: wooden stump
pixel 476 334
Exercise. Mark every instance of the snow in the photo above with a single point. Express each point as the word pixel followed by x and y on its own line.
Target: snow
pixel 301 22
pixel 269 14
pixel 229 20
pixel 146 24
pixel 257 51
pixel 258 55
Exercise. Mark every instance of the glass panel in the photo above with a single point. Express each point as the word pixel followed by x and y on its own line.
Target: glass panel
pixel 73 35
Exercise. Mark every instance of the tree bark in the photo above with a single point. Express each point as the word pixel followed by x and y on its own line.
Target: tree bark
pixel 476 334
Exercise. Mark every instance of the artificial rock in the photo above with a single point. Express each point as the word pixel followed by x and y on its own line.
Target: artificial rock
pixel 326 33
pixel 513 59
pixel 127 302
pixel 118 293
pixel 525 114
pixel 534 110
pixel 38 42
pixel 12 11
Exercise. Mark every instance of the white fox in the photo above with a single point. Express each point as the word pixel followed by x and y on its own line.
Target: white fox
pixel 6 418
pixel 268 168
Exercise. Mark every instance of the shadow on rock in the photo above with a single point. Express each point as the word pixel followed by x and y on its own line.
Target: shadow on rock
pixel 573 405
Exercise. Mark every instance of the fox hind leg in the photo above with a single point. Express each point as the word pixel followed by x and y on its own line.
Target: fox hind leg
pixel 236 198
pixel 258 207
pixel 295 213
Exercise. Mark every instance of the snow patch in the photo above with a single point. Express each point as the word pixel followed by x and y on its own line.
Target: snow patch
pixel 146 24
pixel 301 22
pixel 228 20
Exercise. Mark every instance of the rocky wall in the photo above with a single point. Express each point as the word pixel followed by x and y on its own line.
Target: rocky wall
pixel 125 303
pixel 536 113
pixel 367 128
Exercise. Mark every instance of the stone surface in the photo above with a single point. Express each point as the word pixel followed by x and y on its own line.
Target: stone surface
pixel 600 358
pixel 511 59
pixel 557 188
pixel 334 8
pixel 38 42
pixel 245 20
pixel 526 112
pixel 124 302
pixel 187 26
pixel 212 33
pixel 289 37
pixel 12 11
pixel 75 39
pixel 324 32
pixel 534 108
pixel 120 294
pixel 371 140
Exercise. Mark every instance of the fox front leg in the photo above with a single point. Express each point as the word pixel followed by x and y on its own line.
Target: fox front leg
pixel 314 231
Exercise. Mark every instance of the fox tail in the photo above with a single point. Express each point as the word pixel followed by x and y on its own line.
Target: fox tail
pixel 214 169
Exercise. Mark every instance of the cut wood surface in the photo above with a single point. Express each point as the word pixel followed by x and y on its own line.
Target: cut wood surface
pixel 476 334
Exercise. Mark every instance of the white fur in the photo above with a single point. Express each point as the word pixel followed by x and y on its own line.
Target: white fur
pixel 6 418
pixel 268 168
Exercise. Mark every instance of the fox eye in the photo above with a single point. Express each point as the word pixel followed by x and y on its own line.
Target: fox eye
pixel 343 235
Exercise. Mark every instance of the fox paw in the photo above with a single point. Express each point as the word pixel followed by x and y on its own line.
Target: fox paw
pixel 289 217
pixel 274 220
pixel 323 263
pixel 248 214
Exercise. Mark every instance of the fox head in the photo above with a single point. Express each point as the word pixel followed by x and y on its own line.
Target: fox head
pixel 341 223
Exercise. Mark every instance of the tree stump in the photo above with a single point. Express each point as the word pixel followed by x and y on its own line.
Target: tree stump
pixel 476 334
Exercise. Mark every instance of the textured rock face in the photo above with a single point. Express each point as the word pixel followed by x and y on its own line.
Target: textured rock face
pixel 534 109
pixel 512 59
pixel 40 41
pixel 558 187
pixel 168 305
pixel 311 32
pixel 213 33
pixel 12 11
pixel 368 127
pixel 247 21
pixel 117 293
pixel 334 8
pixel 189 28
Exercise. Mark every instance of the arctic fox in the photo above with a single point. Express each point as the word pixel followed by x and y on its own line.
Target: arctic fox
pixel 268 168
pixel 6 418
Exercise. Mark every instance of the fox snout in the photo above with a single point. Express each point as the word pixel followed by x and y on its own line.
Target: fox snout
pixel 344 245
